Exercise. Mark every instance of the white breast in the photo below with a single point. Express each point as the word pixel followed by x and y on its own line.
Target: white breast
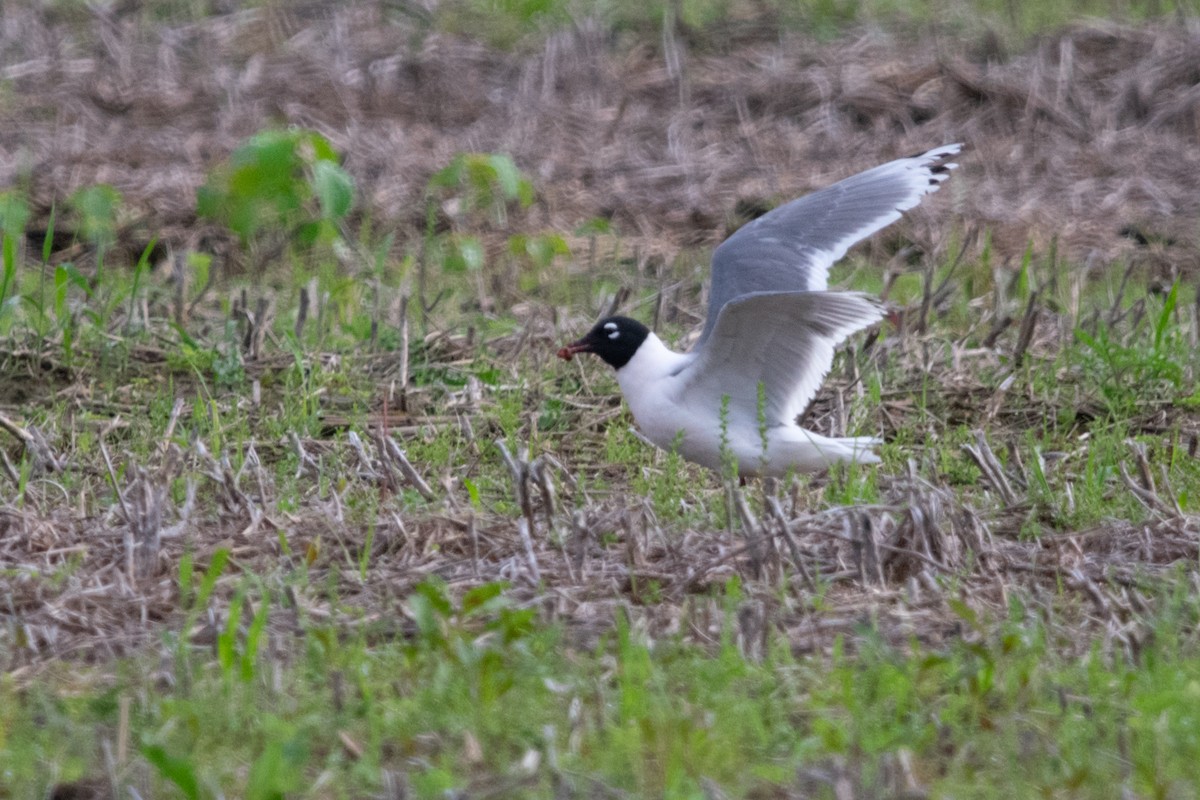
pixel 651 382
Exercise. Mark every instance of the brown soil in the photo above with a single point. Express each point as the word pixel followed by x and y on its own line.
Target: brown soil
pixel 1088 137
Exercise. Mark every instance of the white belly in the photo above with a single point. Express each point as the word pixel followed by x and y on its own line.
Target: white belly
pixel 699 436
pixel 673 420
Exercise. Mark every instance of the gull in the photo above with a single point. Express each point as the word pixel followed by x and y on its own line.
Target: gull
pixel 772 327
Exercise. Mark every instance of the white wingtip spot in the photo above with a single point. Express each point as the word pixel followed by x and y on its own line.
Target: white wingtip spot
pixel 928 167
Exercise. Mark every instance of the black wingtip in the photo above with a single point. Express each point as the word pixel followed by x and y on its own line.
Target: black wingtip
pixel 938 153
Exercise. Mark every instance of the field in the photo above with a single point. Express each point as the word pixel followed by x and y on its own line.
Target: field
pixel 296 500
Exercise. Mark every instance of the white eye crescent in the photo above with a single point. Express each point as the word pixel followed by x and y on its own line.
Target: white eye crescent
pixel 615 335
pixel 610 326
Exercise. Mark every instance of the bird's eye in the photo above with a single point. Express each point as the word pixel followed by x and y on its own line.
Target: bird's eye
pixel 615 335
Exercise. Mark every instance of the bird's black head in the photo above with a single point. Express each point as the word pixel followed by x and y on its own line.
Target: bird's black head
pixel 614 339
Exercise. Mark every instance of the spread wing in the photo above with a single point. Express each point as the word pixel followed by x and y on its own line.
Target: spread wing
pixel 783 341
pixel 792 248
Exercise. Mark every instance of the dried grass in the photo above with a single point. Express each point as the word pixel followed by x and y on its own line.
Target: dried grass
pixel 1074 141
pixel 85 585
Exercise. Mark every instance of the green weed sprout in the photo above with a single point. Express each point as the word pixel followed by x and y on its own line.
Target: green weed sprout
pixel 280 187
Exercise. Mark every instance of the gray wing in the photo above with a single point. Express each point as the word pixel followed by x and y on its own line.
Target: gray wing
pixel 781 340
pixel 793 247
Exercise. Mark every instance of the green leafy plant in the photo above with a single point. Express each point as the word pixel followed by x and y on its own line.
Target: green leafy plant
pixel 486 183
pixel 729 459
pixel 277 770
pixel 238 656
pixel 1126 368
pixel 95 210
pixel 179 771
pixel 536 253
pixel 457 252
pixel 14 214
pixel 66 277
pixel 478 190
pixel 280 186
